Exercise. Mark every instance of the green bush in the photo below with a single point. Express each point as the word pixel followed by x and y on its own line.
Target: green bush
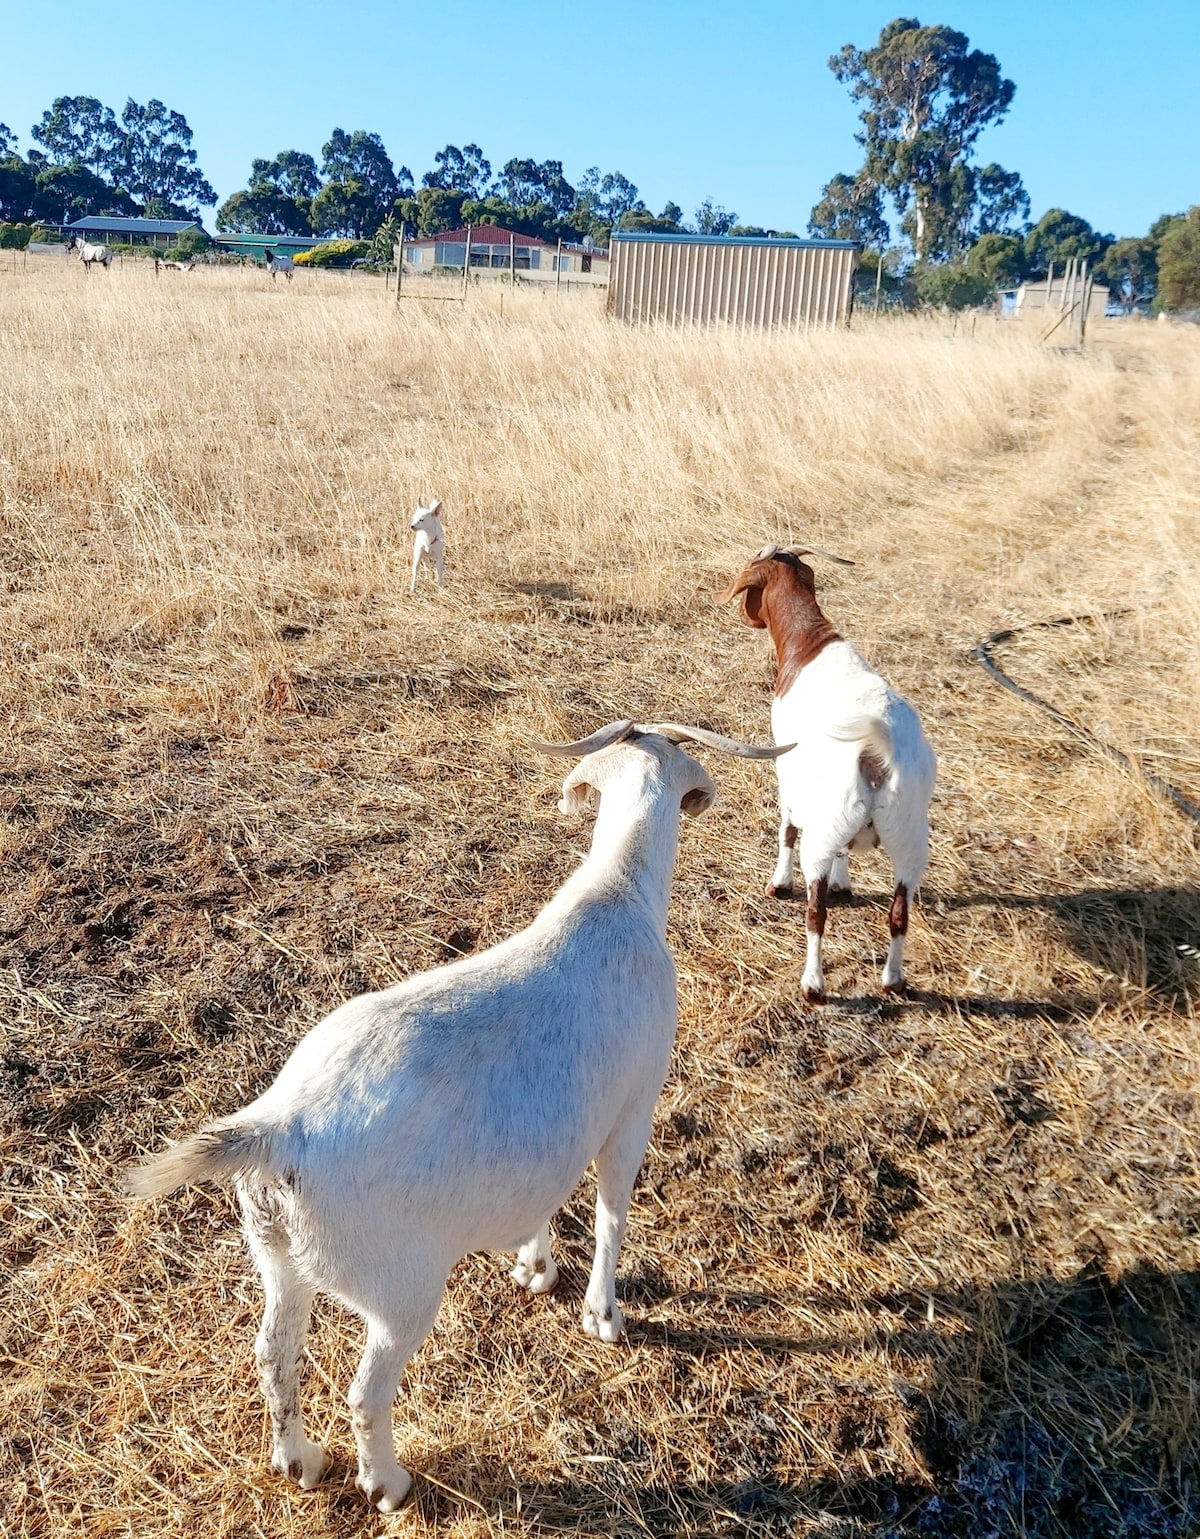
pixel 1179 263
pixel 333 253
pixel 952 286
pixel 191 243
pixel 15 237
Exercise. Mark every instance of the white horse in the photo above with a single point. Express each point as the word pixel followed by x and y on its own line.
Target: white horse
pixel 92 251
pixel 279 264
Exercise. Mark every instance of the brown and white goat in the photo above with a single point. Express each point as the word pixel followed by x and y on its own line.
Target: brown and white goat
pixel 862 772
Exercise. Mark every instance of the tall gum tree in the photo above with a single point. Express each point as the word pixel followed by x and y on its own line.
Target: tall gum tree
pixel 927 96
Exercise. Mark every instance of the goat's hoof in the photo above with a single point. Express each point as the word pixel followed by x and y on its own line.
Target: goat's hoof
pixel 387 1495
pixel 813 995
pixel 780 891
pixel 536 1280
pixel 304 1467
pixel 898 987
pixel 604 1325
pixel 841 892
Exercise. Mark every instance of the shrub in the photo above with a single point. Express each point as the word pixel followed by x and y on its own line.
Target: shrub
pixel 1179 263
pixel 15 237
pixel 333 253
pixel 952 286
pixel 191 243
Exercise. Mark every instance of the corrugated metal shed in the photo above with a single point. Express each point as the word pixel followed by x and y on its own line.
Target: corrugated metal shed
pixel 740 280
pixel 257 245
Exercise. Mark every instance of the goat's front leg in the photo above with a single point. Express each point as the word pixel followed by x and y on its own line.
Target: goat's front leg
pixel 535 1268
pixel 412 587
pixel 839 876
pixel 780 885
pixel 616 1170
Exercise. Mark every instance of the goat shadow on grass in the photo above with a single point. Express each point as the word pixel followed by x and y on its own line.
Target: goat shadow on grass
pixel 1050 1409
pixel 1148 937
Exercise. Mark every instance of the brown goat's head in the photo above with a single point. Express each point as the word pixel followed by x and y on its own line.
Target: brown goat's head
pixel 770 567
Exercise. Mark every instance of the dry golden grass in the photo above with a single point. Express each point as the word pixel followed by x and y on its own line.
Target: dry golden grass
pixel 922 1267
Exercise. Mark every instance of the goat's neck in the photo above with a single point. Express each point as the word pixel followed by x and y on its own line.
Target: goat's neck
pixel 799 630
pixel 634 844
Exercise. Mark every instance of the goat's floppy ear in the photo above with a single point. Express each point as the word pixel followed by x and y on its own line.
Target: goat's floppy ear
pixel 699 799
pixel 750 586
pixel 435 506
pixel 701 794
pixel 578 790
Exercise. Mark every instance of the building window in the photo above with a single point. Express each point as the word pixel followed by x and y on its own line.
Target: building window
pixel 414 255
pixel 585 262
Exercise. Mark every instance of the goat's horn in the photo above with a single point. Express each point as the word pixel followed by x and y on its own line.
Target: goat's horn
pixel 674 733
pixel 604 737
pixel 815 550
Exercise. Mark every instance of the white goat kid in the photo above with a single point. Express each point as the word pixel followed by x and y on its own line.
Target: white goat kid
pixel 280 264
pixel 456 1111
pixel 429 542
pixel 862 773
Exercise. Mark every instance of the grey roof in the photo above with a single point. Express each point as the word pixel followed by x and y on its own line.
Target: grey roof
pixel 134 226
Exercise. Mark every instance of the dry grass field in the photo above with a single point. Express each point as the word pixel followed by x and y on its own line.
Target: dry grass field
pixel 920 1267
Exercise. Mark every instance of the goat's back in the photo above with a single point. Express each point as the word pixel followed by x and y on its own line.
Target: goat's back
pixel 474 1096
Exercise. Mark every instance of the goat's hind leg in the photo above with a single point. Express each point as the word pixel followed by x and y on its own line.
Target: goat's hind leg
pixel 780 885
pixel 393 1335
pixel 617 1166
pixel 535 1268
pixel 279 1346
pixel 909 854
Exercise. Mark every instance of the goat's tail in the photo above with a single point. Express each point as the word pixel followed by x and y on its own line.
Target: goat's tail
pixel 874 737
pixel 216 1153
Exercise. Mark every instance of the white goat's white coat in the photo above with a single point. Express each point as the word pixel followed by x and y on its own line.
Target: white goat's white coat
pixel 862 772
pixel 429 542
pixel 456 1111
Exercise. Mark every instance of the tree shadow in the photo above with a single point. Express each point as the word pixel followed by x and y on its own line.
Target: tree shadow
pixel 1147 937
pixel 1052 1410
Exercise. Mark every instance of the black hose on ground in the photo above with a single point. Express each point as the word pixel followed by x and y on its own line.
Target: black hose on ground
pixel 983 656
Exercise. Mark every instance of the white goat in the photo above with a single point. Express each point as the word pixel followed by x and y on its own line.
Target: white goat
pixel 429 541
pixel 862 773
pixel 280 264
pixel 91 252
pixel 456 1111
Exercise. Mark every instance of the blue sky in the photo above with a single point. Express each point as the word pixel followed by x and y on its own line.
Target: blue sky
pixel 732 101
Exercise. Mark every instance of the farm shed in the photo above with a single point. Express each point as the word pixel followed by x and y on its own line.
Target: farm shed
pixel 257 245
pixel 743 280
pixel 492 246
pixel 110 229
pixel 1048 296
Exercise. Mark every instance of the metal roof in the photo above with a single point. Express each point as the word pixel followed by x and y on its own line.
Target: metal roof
pixel 481 234
pixel 735 240
pixel 260 238
pixel 135 226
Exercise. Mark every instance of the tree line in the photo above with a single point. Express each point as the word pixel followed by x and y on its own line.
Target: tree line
pixel 89 160
pixel 926 97
pixel 941 226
